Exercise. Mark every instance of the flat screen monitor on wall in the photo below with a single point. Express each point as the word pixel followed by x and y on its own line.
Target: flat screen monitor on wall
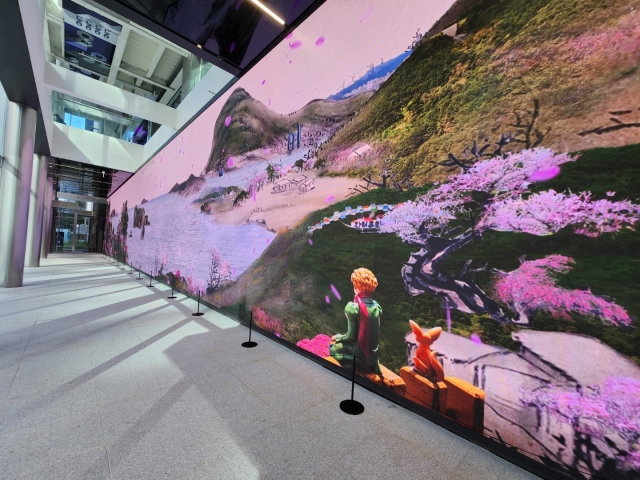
pixel 444 190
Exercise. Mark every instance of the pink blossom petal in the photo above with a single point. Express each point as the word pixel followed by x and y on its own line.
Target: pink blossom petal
pixel 476 339
pixel 263 82
pixel 227 121
pixel 295 45
pixel 230 162
pixel 310 242
pixel 289 36
pixel 268 240
pixel 253 195
pixel 367 13
pixel 335 292
pixel 545 174
pixel 320 42
pixel 329 198
pixel 610 193
pixel 327 299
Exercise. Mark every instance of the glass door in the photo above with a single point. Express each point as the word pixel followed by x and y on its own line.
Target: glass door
pixel 72 231
pixel 63 233
pixel 83 234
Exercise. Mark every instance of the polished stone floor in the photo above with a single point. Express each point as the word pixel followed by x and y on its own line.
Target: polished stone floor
pixel 103 377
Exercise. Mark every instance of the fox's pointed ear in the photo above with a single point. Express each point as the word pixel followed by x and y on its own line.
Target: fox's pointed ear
pixel 416 329
pixel 434 333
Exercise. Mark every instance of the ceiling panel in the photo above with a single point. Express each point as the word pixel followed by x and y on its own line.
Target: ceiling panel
pixel 139 51
pixel 167 65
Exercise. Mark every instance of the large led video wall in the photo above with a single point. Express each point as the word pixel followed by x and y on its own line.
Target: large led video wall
pixel 446 192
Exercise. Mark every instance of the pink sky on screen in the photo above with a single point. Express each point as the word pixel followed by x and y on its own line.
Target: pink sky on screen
pixel 363 33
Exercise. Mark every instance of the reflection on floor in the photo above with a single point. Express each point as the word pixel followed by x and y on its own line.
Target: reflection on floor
pixel 103 377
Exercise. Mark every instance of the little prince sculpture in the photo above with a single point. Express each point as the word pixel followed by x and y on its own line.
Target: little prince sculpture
pixel 363 326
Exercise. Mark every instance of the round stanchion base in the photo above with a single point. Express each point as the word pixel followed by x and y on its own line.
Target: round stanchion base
pixel 351 407
pixel 151 286
pixel 172 297
pixel 249 344
pixel 197 314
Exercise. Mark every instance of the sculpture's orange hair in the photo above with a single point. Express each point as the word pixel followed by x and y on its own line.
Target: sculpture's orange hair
pixel 364 280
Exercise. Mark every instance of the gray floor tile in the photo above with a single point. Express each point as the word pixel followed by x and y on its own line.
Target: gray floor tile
pixel 278 452
pixel 480 464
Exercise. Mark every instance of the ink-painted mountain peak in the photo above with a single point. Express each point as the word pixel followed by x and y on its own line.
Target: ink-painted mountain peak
pixel 246 124
pixel 189 186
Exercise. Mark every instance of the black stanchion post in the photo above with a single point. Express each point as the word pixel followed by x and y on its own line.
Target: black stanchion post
pixel 351 406
pixel 198 313
pixel 250 344
pixel 173 282
pixel 139 271
pixel 150 278
pixel 130 269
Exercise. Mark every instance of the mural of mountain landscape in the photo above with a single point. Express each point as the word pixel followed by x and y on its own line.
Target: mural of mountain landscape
pixel 485 173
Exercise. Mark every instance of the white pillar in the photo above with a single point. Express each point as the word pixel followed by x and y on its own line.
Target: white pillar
pixel 47 220
pixel 15 183
pixel 36 209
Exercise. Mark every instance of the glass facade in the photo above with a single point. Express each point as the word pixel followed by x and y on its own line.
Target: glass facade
pixel 94 118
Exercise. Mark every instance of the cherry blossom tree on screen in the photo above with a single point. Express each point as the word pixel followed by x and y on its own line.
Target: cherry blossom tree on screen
pixel 610 414
pixel 494 194
pixel 219 271
pixel 532 286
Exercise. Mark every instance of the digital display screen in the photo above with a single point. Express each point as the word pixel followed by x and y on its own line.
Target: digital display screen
pixel 443 192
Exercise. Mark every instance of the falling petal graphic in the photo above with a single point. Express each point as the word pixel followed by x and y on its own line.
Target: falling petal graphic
pixel 269 102
pixel 227 121
pixel 223 150
pixel 289 36
pixel 335 292
pixel 310 242
pixel 253 195
pixel 327 299
pixel 476 339
pixel 367 13
pixel 295 45
pixel 230 162
pixel 263 82
pixel 232 47
pixel 268 240
pixel 289 61
pixel 545 174
pixel 254 250
pixel 320 42
pixel 610 194
pixel 234 270
pixel 329 198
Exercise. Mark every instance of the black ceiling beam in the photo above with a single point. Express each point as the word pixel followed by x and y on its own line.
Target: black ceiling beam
pixel 16 71
pixel 168 34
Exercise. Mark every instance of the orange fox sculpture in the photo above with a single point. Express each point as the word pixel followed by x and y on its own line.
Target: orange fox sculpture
pixel 425 361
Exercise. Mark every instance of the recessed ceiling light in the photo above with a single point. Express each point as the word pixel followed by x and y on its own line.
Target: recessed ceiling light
pixel 262 7
pixel 200 46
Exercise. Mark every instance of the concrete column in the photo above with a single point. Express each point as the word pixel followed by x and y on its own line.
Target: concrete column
pixel 47 220
pixel 36 209
pixel 15 183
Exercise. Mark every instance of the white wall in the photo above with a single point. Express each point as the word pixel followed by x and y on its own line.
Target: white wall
pixel 80 86
pixel 95 149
